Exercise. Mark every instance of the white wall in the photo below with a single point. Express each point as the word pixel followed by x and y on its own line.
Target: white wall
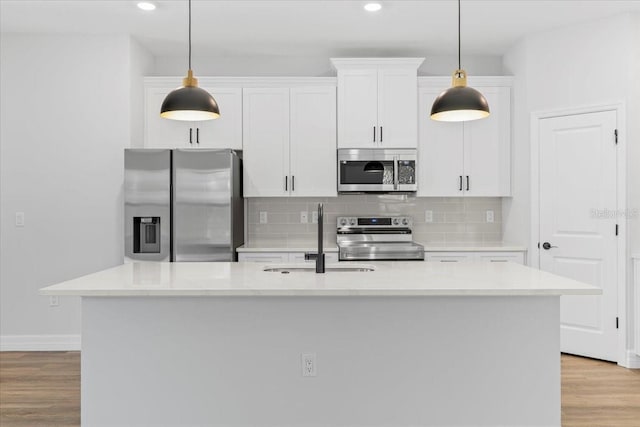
pixel 66 118
pixel 142 64
pixel 312 65
pixel 588 64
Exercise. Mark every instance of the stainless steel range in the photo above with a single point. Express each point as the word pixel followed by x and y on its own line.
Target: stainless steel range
pixel 385 238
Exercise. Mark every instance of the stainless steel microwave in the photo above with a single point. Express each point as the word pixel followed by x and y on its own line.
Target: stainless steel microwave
pixel 377 170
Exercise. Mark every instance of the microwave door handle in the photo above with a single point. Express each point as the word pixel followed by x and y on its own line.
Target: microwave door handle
pixel 396 165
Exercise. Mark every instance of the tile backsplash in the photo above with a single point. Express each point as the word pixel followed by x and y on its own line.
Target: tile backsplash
pixel 455 219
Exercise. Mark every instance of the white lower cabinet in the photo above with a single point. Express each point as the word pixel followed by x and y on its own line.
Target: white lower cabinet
pixel 503 256
pixel 283 257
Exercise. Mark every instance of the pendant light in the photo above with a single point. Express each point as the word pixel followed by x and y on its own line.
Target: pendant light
pixel 460 102
pixel 189 102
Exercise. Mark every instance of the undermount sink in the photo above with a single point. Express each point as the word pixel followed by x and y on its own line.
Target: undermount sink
pixel 311 268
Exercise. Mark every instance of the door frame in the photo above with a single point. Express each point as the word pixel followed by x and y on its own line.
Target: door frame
pixel 624 358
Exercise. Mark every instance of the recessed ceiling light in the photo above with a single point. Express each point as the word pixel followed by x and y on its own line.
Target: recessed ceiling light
pixel 372 7
pixel 145 5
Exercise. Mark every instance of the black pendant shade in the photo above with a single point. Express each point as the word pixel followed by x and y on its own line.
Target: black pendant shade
pixel 459 103
pixel 189 102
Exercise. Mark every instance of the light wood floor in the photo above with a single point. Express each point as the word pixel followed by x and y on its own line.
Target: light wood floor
pixel 43 389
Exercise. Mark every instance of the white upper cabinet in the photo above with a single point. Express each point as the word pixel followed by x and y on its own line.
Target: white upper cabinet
pixel 377 102
pixel 224 132
pixel 266 142
pixel 312 147
pixel 466 158
pixel 290 142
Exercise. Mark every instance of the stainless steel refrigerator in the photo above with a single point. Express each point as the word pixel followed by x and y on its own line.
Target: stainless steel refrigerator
pixel 183 205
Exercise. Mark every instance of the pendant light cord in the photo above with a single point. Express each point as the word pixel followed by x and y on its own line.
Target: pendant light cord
pixel 459 61
pixel 190 34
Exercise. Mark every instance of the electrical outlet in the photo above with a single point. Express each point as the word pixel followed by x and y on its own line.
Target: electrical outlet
pixel 19 219
pixel 304 217
pixel 263 217
pixel 309 368
pixel 314 217
pixel 53 301
pixel 490 217
pixel 428 216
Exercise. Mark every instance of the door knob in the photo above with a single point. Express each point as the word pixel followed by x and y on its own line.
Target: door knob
pixel 546 246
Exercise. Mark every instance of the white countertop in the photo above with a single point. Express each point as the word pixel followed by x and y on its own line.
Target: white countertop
pixel 428 247
pixel 408 278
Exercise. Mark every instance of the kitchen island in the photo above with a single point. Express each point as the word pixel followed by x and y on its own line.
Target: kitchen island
pixel 407 344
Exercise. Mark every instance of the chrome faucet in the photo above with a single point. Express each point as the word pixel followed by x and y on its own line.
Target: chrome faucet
pixel 319 256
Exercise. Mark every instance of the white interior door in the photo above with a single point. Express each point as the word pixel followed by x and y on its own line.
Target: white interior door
pixel 578 184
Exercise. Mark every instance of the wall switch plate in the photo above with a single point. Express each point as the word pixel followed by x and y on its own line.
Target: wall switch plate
pixel 314 217
pixel 309 368
pixel 53 301
pixel 263 217
pixel 490 216
pixel 19 219
pixel 428 216
pixel 304 217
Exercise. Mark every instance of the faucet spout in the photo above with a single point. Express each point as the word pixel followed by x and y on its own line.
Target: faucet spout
pixel 319 256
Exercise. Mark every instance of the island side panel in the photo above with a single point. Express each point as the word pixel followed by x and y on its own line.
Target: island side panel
pixel 381 361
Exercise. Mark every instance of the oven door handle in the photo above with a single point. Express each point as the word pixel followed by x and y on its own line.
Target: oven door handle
pixel 396 166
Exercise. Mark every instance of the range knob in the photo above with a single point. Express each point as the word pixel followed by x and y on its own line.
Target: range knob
pixel 396 221
pixel 343 221
pixel 352 221
pixel 405 221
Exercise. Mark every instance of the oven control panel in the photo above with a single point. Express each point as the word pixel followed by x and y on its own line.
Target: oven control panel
pixel 375 221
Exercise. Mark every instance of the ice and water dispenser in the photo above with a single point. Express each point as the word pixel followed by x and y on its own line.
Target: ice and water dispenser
pixel 146 235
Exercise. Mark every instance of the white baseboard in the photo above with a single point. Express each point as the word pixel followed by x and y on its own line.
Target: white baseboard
pixel 632 361
pixel 39 342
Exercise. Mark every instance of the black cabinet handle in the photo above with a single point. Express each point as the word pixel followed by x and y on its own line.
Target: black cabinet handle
pixel 374 134
pixel 286 183
pixel 190 135
pixel 467 182
pixel 460 182
pixel 197 135
pixel 293 183
pixel 380 133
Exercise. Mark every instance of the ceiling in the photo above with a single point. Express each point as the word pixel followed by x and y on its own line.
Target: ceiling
pixel 310 27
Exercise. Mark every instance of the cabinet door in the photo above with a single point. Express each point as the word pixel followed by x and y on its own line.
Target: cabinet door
pixel 266 142
pixel 440 152
pixel 225 131
pixel 487 154
pixel 449 257
pixel 358 108
pixel 397 108
pixel 517 257
pixel 164 133
pixel 265 257
pixel 313 142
